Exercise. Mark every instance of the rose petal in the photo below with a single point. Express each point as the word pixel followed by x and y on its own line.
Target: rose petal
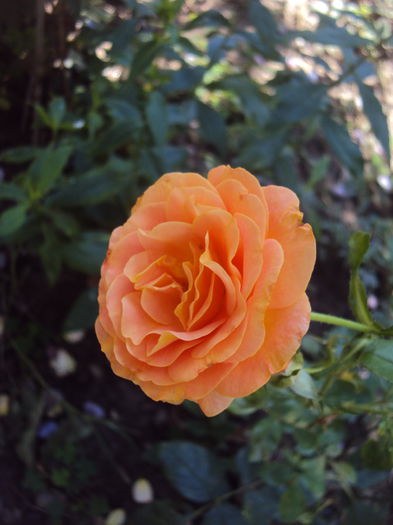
pixel 297 241
pixel 214 403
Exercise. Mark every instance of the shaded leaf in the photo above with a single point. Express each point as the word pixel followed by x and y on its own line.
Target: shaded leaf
pixel 345 473
pixel 298 100
pixel 83 312
pixel 292 504
pixel 57 110
pixel 342 146
pixel 213 127
pixel 122 110
pixel 192 470
pixel 144 57
pixel 158 513
pixel 303 385
pixel 118 135
pixel 378 358
pixel 262 152
pixel 12 219
pixel 331 36
pixel 264 22
pixel 95 186
pixel 48 167
pixel 224 515
pixel 313 478
pixel 157 117
pixel 12 192
pixel 260 506
pixel 19 155
pixel 207 19
pixel 373 110
pixel 51 254
pixel 86 253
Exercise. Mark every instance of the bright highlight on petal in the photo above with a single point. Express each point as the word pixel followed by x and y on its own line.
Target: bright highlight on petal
pixel 202 293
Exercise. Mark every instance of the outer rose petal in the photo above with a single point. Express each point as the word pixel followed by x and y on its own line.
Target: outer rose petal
pixel 202 290
pixel 284 331
pixel 214 403
pixel 298 243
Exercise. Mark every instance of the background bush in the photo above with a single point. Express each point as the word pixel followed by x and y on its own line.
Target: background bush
pixel 98 98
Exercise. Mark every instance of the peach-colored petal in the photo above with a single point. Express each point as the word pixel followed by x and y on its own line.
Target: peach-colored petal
pixel 207 381
pixel 249 255
pixel 136 324
pixel 223 173
pixel 284 331
pixel 159 192
pixel 186 202
pixel 148 216
pixel 119 288
pixel 214 403
pixel 118 256
pixel 298 243
pixel 169 393
pixel 237 200
pixel 160 303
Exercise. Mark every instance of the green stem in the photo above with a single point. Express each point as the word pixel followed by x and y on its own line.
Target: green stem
pixel 339 321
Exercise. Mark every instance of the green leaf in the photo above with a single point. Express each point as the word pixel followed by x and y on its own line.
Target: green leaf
pixel 57 110
pixel 47 168
pixel 158 513
pixel 83 312
pixel 313 478
pixel 260 505
pixel 292 504
pixel 358 246
pixel 122 36
pixel 51 254
pixel 264 22
pixel 144 57
pixel 345 473
pixel 44 115
pixel 19 155
pixel 331 36
pixel 93 187
pixel 12 192
pixel 157 117
pixel 122 110
pixel 64 222
pixel 362 513
pixel 184 80
pixel 377 455
pixel 118 135
pixel 373 110
pixel 86 253
pixel 265 437
pixel 250 97
pixel 262 152
pixel 224 515
pixel 299 100
pixel 212 127
pixel 303 385
pixel 207 19
pixel 342 146
pixel 192 470
pixel 378 358
pixel 12 219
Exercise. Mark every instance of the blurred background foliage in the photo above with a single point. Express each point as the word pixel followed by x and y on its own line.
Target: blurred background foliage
pixel 97 99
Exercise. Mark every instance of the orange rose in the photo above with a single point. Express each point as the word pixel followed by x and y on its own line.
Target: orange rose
pixel 202 292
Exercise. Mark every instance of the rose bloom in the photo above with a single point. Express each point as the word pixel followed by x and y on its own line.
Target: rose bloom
pixel 202 292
